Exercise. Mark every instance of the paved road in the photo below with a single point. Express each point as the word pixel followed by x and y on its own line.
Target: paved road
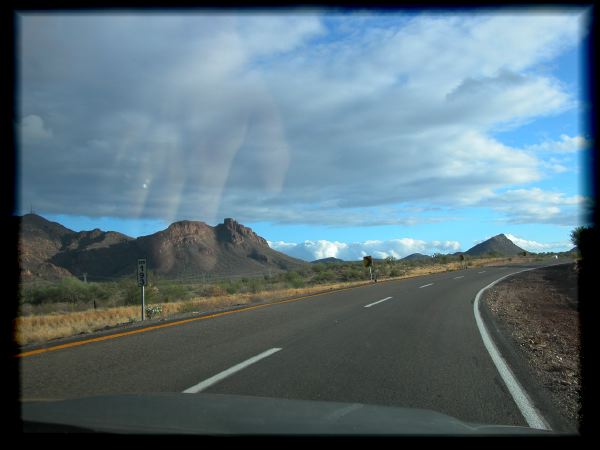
pixel 411 343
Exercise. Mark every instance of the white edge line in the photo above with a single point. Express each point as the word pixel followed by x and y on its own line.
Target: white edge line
pixel 220 376
pixel 530 413
pixel 379 301
pixel 456 278
pixel 425 285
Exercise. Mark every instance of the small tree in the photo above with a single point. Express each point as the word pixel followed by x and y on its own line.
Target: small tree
pixel 440 258
pixel 585 240
pixel 576 236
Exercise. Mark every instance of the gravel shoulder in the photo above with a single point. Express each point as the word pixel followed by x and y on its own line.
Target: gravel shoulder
pixel 538 313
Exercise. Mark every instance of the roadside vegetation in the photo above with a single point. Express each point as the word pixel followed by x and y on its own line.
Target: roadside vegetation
pixel 71 306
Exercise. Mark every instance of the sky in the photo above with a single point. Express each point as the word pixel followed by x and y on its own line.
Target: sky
pixel 329 134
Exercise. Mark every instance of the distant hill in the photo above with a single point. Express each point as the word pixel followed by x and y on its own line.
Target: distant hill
pixel 41 240
pixel 498 245
pixel 416 257
pixel 327 260
pixel 48 250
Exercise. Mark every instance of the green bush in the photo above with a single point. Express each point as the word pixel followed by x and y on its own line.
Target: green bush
pixel 318 267
pixel 325 276
pixel 297 283
pixel 395 272
pixel 230 287
pixel 131 293
pixel 255 285
pixel 352 274
pixel 294 279
pixel 68 290
pixel 172 292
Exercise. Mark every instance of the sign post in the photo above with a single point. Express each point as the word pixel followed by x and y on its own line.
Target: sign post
pixel 368 262
pixel 142 278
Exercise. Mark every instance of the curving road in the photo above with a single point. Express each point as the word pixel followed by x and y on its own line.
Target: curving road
pixel 412 343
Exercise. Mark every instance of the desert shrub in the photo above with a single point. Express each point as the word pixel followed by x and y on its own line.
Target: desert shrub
pixel 213 290
pixel 225 287
pixel 171 292
pixel 130 293
pixel 318 267
pixel 153 311
pixel 305 272
pixel 351 273
pixel 325 276
pixel 68 290
pixel 395 272
pixel 440 258
pixel 255 285
pixel 297 283
pixel 231 289
pixel 294 279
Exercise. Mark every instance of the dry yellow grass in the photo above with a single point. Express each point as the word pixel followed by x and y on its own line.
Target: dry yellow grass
pixel 43 328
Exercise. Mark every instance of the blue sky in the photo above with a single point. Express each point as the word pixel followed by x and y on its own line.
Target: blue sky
pixel 327 134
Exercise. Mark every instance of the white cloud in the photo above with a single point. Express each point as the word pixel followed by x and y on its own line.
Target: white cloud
pixel 398 248
pixel 510 98
pixel 539 247
pixel 215 115
pixel 538 206
pixel 257 33
pixel 559 156
pixel 555 165
pixel 310 250
pixel 566 144
pixel 34 129
pixel 442 50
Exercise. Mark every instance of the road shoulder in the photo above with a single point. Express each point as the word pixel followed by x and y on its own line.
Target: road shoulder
pixel 522 313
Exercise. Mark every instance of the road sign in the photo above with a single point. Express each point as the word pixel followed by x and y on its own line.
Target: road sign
pixel 142 276
pixel 367 261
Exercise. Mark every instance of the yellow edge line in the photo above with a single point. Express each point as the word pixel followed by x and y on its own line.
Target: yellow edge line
pixel 179 322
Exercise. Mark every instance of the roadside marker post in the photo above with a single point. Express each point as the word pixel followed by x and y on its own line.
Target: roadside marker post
pixel 142 281
pixel 368 262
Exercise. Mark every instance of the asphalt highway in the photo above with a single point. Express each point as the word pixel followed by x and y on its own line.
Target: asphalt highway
pixel 411 343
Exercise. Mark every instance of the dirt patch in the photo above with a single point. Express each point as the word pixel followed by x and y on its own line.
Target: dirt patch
pixel 539 308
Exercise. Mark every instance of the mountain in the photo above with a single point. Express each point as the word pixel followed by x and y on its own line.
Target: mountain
pixel 40 240
pixel 498 245
pixel 327 260
pixel 49 250
pixel 416 257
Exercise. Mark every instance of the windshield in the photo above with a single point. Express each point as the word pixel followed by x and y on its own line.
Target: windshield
pixel 361 207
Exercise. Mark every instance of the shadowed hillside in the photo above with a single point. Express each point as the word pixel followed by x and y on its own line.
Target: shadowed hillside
pixel 499 245
pixel 48 251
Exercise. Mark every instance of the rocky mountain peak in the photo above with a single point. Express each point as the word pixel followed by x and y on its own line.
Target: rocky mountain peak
pixel 48 250
pixel 235 233
pixel 186 227
pixel 498 244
